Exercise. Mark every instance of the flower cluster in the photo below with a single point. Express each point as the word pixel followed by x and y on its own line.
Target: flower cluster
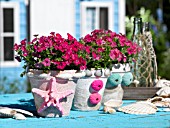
pixel 105 48
pixel 51 52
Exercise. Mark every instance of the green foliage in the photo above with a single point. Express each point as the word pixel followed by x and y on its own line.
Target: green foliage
pixel 158 35
pixel 165 65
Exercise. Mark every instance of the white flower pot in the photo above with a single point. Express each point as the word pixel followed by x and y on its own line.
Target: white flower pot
pixel 84 91
pixel 116 92
pixel 41 82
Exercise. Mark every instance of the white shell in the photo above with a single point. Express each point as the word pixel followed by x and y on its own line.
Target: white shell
pixel 79 74
pixel 142 107
pixel 43 75
pixel 65 76
pixel 107 72
pixel 7 112
pixel 19 116
pixel 163 83
pixel 109 110
pixel 23 112
pixel 88 73
pixel 163 91
pixel 30 74
pixel 113 103
pixel 160 101
pixel 98 73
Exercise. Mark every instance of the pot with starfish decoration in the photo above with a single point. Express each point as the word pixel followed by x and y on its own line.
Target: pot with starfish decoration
pixel 53 93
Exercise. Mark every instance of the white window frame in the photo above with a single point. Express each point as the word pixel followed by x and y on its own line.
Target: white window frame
pixel 122 16
pixel 15 34
pixel 84 5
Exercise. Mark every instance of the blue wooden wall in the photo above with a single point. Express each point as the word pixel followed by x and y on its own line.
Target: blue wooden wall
pixel 10 78
pixel 115 17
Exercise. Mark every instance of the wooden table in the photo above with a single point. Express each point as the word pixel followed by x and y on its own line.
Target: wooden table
pixel 77 119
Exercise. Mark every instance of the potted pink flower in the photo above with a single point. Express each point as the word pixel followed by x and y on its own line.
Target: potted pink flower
pixel 51 52
pixel 106 48
pixel 51 63
pixel 108 53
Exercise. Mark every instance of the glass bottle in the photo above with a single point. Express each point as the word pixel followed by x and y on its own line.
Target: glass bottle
pixel 142 67
pixel 137 30
pixel 147 37
pixel 136 37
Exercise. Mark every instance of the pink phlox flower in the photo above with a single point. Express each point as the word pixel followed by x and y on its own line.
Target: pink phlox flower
pixel 34 40
pixel 77 62
pixel 113 34
pixel 23 48
pixel 83 67
pixel 74 56
pixel 52 33
pixel 61 65
pixel 96 56
pixel 99 42
pixel 46 62
pixel 66 56
pixel 124 58
pixel 16 47
pixel 133 49
pixel 120 57
pixel 65 44
pixel 113 44
pixel 122 40
pixel 115 54
pixel 87 38
pixel 102 49
pixel 97 32
pixel 23 42
pixel 25 53
pixel 70 37
pixel 58 36
pixel 87 49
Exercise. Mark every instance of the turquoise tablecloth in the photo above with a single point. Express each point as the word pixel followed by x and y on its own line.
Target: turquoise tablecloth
pixel 77 119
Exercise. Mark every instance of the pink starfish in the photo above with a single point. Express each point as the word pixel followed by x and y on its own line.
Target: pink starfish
pixel 51 96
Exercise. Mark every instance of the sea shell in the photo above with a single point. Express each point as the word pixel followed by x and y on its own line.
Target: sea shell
pixel 163 83
pixel 160 101
pixel 65 76
pixel 6 112
pixel 141 107
pixel 19 116
pixel 43 75
pixel 98 73
pixel 30 74
pixel 113 103
pixel 109 110
pixel 163 91
pixel 88 73
pixel 79 74
pixel 27 113
pixel 107 72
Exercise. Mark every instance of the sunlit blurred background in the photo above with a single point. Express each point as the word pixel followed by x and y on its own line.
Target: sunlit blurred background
pixel 21 19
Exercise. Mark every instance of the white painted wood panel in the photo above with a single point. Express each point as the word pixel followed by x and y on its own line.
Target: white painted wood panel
pixel 52 16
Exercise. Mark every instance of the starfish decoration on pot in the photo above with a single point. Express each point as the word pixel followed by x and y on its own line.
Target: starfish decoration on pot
pixel 51 96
